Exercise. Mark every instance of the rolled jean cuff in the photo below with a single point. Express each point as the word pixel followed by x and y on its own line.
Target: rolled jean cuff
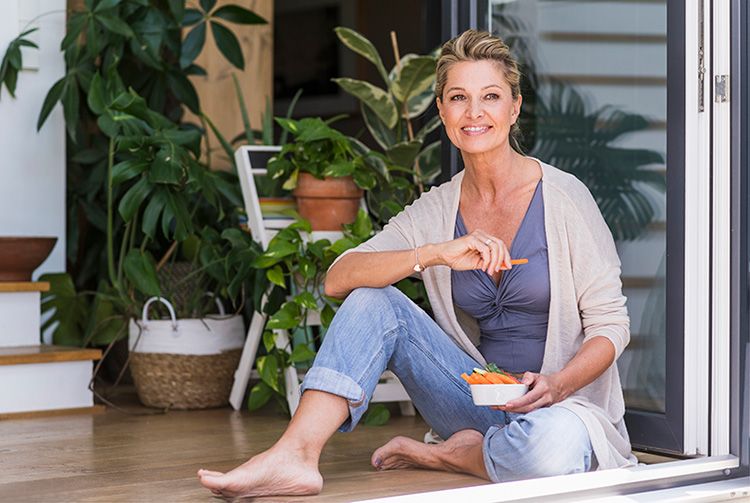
pixel 336 383
pixel 489 464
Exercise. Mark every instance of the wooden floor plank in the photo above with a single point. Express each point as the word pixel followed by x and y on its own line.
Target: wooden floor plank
pixel 119 457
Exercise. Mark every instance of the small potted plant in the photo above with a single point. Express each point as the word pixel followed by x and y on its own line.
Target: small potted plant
pixel 325 170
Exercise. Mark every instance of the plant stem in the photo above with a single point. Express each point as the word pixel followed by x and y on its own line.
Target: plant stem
pixel 166 256
pixel 110 237
pixel 405 113
pixel 123 248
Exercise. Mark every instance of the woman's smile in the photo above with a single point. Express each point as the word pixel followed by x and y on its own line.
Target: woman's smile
pixel 475 130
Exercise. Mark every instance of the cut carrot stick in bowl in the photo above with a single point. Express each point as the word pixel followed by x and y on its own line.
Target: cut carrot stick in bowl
pixel 493 386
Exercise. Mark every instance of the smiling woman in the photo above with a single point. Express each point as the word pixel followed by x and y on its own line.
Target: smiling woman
pixel 559 319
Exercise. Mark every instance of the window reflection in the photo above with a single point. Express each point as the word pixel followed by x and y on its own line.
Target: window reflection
pixel 595 102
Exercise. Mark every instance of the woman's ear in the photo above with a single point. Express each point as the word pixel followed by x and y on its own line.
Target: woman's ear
pixel 517 108
pixel 439 104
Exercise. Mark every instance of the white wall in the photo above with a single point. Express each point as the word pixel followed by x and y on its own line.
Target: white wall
pixel 32 165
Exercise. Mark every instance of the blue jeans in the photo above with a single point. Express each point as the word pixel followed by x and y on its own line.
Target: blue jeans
pixel 380 328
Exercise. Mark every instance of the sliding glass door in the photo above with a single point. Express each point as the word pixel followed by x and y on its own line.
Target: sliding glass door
pixel 604 98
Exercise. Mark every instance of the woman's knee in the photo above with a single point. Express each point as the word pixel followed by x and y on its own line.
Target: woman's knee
pixel 366 301
pixel 547 442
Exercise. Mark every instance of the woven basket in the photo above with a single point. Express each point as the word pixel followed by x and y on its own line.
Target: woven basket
pixel 187 363
pixel 184 381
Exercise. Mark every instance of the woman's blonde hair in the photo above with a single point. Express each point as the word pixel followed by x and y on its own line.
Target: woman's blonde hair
pixel 473 45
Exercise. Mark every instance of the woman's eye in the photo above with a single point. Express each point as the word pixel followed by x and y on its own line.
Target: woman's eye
pixel 457 97
pixel 492 96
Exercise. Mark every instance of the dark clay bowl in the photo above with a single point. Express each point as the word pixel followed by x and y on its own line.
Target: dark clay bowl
pixel 19 256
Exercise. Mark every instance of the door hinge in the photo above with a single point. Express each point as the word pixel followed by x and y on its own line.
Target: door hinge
pixel 721 88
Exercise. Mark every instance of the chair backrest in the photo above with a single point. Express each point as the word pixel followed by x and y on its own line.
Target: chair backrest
pixel 245 157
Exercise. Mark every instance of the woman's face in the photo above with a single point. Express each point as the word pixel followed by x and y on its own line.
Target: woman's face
pixel 477 107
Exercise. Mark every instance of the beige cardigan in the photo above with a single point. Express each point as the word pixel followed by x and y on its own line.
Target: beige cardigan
pixel 586 298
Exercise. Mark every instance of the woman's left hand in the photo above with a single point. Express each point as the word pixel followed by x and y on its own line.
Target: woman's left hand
pixel 544 390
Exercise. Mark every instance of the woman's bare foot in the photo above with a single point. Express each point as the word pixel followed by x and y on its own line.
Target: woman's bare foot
pixel 462 452
pixel 277 472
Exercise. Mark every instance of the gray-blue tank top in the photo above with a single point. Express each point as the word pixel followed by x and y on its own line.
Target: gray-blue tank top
pixel 513 315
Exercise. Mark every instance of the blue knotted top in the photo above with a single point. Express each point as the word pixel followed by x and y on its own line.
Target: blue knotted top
pixel 512 315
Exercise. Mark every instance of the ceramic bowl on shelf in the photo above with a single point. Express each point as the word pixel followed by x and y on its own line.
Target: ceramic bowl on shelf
pixel 496 394
pixel 20 256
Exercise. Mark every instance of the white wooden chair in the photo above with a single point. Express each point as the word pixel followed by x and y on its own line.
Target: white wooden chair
pixel 263 229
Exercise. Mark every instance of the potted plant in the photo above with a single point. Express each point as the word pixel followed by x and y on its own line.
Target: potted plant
pixel 324 170
pixel 297 267
pixel 140 195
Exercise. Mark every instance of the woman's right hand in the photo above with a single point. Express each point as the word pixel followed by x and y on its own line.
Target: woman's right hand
pixel 477 250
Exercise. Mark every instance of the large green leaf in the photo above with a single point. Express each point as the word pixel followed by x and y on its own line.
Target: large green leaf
pixel 429 162
pixel 417 73
pixel 133 198
pixel 377 415
pixel 428 128
pixel 97 100
pixel 67 310
pixel 53 96
pixel 104 5
pixel 288 317
pixel 76 24
pixel 193 45
pixel 404 153
pixel 276 276
pixel 378 100
pixel 154 208
pixel 419 103
pixel 301 353
pixel 207 5
pixel 141 272
pixel 385 136
pixel 268 368
pixel 359 44
pixel 127 170
pixel 259 396
pixel 237 14
pixel 228 44
pixel 115 25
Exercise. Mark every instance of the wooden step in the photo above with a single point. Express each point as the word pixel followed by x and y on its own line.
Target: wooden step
pixel 45 379
pixel 25 286
pixel 17 355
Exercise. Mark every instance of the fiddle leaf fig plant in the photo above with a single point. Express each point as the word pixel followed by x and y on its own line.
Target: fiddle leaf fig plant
pixel 390 111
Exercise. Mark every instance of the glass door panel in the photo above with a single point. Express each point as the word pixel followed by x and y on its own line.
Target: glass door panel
pixel 596 105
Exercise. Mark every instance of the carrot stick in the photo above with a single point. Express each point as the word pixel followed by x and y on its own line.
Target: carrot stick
pixel 480 379
pixel 466 378
pixel 519 261
pixel 494 378
pixel 506 379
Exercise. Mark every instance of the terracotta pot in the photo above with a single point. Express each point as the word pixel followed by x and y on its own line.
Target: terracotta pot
pixel 328 203
pixel 20 256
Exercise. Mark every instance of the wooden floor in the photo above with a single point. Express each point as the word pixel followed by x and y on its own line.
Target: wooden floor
pixel 123 457
pixel 120 457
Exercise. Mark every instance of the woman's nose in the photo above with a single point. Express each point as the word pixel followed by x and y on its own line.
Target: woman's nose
pixel 474 110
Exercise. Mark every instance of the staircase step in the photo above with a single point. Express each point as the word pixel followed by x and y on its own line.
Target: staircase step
pixel 24 286
pixel 45 379
pixel 20 315
pixel 18 355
